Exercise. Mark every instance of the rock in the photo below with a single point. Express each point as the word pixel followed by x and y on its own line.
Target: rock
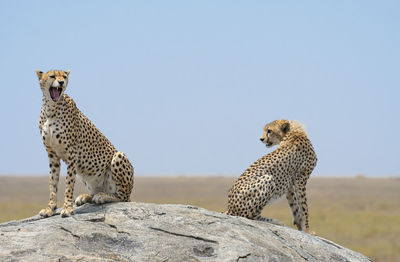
pixel 150 232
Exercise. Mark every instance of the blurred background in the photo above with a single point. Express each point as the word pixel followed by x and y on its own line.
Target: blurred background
pixel 184 89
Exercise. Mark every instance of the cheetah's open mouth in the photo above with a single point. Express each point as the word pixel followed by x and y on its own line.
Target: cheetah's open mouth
pixel 55 93
pixel 268 144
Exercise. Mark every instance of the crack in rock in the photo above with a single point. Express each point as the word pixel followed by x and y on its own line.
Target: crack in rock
pixel 116 229
pixel 330 243
pixel 242 257
pixel 69 231
pixel 183 235
pixel 219 217
pixel 284 242
pixel 100 219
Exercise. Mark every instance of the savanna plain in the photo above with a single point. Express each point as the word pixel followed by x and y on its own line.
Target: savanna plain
pixel 360 213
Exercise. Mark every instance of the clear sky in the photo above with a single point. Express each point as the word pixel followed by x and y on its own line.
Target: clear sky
pixel 185 87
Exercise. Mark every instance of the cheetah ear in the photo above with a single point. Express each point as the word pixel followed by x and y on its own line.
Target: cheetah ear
pixel 39 74
pixel 285 128
pixel 67 72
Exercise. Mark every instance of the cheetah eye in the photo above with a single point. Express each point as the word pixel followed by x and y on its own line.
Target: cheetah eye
pixel 53 77
pixel 65 76
pixel 268 131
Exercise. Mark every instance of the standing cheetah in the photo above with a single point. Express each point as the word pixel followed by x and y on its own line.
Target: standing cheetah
pixel 70 136
pixel 284 171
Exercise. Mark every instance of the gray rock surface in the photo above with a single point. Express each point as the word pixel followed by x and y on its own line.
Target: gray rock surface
pixel 150 232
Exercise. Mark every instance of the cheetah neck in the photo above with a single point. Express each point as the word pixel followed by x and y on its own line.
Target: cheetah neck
pixel 291 137
pixel 50 107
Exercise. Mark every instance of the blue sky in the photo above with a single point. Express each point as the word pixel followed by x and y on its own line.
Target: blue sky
pixel 185 87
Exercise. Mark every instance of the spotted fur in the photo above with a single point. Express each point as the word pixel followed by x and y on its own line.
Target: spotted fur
pixel 284 171
pixel 70 136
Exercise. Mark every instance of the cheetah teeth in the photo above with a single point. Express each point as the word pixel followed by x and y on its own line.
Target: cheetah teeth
pixel 55 93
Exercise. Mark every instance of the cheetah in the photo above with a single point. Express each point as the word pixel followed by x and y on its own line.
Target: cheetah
pixel 284 171
pixel 70 136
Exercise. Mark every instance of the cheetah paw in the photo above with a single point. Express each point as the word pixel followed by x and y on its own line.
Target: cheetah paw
pixel 46 212
pixel 83 199
pixel 310 232
pixel 67 211
pixel 99 198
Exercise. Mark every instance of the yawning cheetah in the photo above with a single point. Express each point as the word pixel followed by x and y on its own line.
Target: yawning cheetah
pixel 70 136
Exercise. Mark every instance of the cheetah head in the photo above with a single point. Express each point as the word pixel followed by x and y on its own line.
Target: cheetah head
pixel 53 83
pixel 274 132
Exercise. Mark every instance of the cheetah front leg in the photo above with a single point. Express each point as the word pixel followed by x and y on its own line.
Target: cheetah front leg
pixel 122 177
pixel 54 164
pixel 68 209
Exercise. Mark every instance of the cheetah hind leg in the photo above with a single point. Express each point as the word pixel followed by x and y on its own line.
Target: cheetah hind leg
pixel 83 199
pixel 121 179
pixel 101 198
pixel 269 220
